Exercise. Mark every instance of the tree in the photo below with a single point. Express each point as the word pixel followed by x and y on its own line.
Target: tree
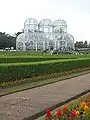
pixel 81 44
pixel 7 41
pixel 76 44
pixel 85 44
pixel 18 33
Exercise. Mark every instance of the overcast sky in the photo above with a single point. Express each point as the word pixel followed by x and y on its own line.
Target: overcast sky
pixel 76 13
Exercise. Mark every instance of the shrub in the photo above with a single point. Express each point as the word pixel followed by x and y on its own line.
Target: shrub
pixel 18 59
pixel 13 71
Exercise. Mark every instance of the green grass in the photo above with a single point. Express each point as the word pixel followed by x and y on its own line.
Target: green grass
pixel 18 53
pixel 38 54
pixel 17 57
pixel 21 54
pixel 36 83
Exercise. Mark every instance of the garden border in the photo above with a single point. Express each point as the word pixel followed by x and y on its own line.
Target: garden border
pixel 33 117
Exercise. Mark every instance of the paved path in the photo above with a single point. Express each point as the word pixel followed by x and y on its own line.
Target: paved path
pixel 27 103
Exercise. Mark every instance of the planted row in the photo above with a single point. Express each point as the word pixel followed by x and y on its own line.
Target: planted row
pixel 13 71
pixel 23 59
pixel 77 110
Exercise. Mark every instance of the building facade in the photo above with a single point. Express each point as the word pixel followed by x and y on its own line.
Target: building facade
pixel 44 35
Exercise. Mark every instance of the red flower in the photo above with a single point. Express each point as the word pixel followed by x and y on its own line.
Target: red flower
pixel 58 114
pixel 73 114
pixel 64 109
pixel 48 114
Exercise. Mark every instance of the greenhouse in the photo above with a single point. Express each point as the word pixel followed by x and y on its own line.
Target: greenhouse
pixel 44 35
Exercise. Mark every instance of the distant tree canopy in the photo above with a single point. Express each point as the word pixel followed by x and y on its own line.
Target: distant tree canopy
pixel 81 44
pixel 8 41
pixel 16 34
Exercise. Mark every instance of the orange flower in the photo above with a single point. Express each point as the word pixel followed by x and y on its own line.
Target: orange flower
pixel 64 109
pixel 77 113
pixel 83 104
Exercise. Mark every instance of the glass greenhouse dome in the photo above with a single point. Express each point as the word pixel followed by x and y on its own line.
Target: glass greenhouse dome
pixel 42 35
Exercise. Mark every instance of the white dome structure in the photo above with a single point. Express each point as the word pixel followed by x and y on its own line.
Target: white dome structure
pixel 20 41
pixel 44 35
pixel 30 25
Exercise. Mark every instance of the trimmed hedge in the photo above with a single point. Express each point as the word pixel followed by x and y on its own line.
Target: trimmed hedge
pixel 18 59
pixel 13 71
pixel 24 59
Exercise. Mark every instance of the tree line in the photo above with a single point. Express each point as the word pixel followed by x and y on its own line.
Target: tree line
pixel 81 44
pixel 8 41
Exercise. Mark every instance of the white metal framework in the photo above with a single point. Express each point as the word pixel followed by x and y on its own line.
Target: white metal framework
pixel 44 35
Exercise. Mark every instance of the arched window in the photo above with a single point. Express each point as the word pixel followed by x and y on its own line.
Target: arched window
pixel 20 46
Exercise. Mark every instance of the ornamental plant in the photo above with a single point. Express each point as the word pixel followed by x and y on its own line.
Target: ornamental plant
pixel 78 110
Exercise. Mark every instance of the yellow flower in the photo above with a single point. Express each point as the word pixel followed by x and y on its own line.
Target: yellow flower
pixel 86 108
pixel 77 113
pixel 83 104
pixel 80 107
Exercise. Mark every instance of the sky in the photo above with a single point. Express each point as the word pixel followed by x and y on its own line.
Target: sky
pixel 76 13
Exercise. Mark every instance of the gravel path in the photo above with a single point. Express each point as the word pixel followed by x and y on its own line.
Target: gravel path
pixel 23 104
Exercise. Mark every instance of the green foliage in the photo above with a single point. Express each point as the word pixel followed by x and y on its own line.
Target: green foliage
pixel 13 71
pixel 7 41
pixel 19 65
pixel 81 44
pixel 19 59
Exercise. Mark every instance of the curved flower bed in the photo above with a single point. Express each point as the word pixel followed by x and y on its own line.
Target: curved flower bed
pixel 78 110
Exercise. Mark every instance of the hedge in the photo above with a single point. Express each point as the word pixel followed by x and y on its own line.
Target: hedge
pixel 18 59
pixel 23 59
pixel 13 71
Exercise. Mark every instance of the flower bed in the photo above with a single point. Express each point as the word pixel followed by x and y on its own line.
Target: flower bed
pixel 78 110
